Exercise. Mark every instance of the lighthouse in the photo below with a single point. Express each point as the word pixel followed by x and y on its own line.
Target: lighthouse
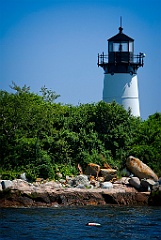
pixel 120 67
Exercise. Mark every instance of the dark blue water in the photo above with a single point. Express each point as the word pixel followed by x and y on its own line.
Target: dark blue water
pixel 70 223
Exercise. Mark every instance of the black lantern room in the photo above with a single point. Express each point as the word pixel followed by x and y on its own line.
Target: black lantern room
pixel 120 58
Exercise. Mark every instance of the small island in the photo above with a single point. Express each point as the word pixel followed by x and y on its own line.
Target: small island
pixel 91 189
pixel 62 155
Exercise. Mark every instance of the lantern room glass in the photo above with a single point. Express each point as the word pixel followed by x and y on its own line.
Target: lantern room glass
pixel 120 47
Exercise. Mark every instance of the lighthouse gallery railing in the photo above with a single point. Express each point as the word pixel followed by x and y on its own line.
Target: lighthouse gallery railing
pixel 103 59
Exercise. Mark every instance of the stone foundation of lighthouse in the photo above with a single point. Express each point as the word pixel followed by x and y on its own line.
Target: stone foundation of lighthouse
pixel 122 88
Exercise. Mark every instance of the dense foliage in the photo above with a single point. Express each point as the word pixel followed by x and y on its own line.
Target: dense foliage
pixel 41 137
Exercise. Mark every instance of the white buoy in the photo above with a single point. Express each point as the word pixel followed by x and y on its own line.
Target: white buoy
pixel 93 224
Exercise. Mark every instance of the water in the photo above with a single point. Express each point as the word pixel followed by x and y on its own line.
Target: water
pixel 70 223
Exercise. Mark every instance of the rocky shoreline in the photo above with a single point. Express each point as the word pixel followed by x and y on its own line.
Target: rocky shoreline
pixel 59 198
pixel 95 187
pixel 49 195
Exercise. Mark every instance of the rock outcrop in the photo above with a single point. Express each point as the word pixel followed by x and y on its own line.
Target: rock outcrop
pixel 139 169
pixel 67 197
pixel 6 184
pixel 108 174
pixel 147 184
pixel 80 181
pixel 92 170
pixel 155 196
pixel 135 182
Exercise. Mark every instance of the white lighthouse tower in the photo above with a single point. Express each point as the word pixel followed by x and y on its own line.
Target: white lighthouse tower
pixel 120 69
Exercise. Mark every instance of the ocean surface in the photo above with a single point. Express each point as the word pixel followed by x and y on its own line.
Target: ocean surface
pixel 117 222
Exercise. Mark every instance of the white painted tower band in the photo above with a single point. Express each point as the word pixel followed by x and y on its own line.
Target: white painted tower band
pixel 122 88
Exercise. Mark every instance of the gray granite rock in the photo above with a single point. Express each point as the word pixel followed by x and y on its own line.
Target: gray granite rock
pixel 106 185
pixel 147 184
pixel 6 184
pixel 80 179
pixel 135 182
pixel 23 176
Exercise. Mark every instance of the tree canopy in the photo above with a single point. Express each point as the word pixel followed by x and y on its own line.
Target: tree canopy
pixel 42 137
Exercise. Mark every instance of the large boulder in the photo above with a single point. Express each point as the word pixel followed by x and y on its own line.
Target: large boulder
pixel 79 181
pixel 107 185
pixel 92 170
pixel 6 184
pixel 147 184
pixel 135 182
pixel 140 169
pixel 155 196
pixel 108 174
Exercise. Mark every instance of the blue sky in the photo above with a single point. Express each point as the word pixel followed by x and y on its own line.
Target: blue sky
pixel 55 43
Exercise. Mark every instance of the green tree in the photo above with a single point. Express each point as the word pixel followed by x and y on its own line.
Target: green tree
pixel 39 136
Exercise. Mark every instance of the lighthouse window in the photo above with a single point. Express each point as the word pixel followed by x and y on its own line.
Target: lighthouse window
pixel 130 47
pixel 110 45
pixel 120 47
